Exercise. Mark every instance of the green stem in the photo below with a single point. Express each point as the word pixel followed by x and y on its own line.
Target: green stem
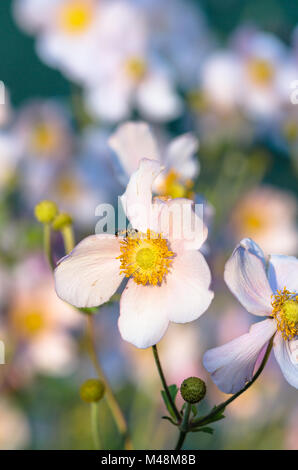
pixel 68 238
pixel 111 399
pixel 222 406
pixel 47 244
pixel 184 427
pixel 95 425
pixel 164 383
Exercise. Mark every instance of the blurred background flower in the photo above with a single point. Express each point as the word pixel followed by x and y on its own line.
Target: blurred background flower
pixel 212 81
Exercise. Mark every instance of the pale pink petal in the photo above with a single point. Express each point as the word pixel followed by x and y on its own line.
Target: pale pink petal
pixel 180 155
pixel 286 353
pixel 232 365
pixel 179 222
pixel 283 272
pixel 188 286
pixel 245 275
pixel 184 295
pixel 157 99
pixel 89 275
pixel 143 314
pixel 137 199
pixel 133 141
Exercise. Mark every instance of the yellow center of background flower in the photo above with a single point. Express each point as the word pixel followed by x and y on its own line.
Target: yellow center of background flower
pixel 135 68
pixel 75 16
pixel 174 187
pixel 260 72
pixel 31 323
pixel 145 257
pixel 44 138
pixel 285 312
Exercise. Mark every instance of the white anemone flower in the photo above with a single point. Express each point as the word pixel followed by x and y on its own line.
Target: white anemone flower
pixel 169 277
pixel 133 141
pixel 129 76
pixel 263 291
pixel 62 27
pixel 254 75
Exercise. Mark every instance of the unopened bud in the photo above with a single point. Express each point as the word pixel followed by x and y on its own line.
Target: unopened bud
pixel 61 221
pixel 193 390
pixel 92 390
pixel 45 211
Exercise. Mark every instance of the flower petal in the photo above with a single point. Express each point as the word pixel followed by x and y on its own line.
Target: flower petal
pixel 179 222
pixel 145 311
pixel 286 353
pixel 180 155
pixel 245 275
pixel 89 275
pixel 188 286
pixel 143 314
pixel 283 272
pixel 133 141
pixel 232 365
pixel 137 199
pixel 157 99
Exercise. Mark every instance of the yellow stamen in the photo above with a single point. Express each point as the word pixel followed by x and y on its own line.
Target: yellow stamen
pixel 260 71
pixel 285 312
pixel 75 16
pixel 135 68
pixel 145 257
pixel 173 186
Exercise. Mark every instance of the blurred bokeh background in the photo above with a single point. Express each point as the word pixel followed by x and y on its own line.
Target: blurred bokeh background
pixel 73 71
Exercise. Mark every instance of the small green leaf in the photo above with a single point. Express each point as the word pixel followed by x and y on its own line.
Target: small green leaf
pixel 169 419
pixel 173 389
pixel 206 430
pixel 194 410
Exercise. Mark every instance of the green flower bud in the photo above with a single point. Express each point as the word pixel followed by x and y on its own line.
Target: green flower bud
pixel 61 221
pixel 193 390
pixel 92 390
pixel 45 211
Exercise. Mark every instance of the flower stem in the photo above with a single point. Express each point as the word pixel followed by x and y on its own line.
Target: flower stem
pixel 95 424
pixel 111 400
pixel 222 406
pixel 68 238
pixel 47 245
pixel 184 427
pixel 164 383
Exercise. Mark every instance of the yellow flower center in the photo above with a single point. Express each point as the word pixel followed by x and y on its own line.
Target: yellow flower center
pixel 44 138
pixel 31 323
pixel 285 312
pixel 174 187
pixel 67 187
pixel 260 72
pixel 75 16
pixel 135 68
pixel 145 257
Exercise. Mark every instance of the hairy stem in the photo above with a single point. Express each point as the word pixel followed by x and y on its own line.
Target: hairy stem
pixel 184 427
pixel 164 383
